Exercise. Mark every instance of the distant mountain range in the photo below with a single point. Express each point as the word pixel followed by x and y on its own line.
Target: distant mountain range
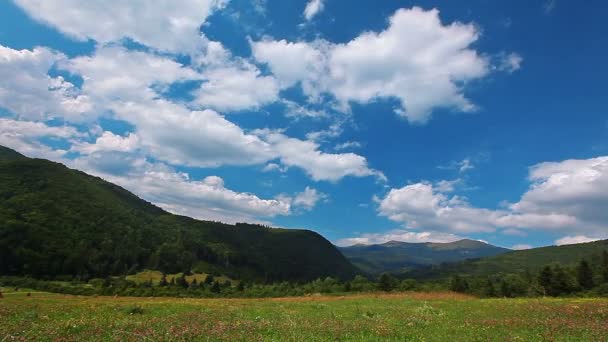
pixel 530 260
pixel 55 221
pixel 400 257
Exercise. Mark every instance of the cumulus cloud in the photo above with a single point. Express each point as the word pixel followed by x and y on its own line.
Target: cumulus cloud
pixel 398 235
pixel 167 25
pixel 208 198
pixel 570 240
pixel 306 155
pixel 308 198
pixel 108 141
pixel 564 197
pixel 24 136
pixel 27 90
pixel 416 59
pixel 235 87
pixel 313 7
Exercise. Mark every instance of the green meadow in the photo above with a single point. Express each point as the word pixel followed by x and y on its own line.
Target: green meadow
pixel 407 316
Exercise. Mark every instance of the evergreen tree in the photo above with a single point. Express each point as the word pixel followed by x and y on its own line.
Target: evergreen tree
pixel 241 286
pixel 172 282
pixel 584 275
pixel 562 282
pixel 215 288
pixel 209 279
pixel 385 282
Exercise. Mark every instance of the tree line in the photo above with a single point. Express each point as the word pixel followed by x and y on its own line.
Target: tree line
pixel 587 277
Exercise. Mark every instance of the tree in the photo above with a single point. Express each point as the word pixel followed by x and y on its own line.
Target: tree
pixel 182 282
pixel 215 288
pixel 545 279
pixel 562 282
pixel 605 266
pixel 209 279
pixel 584 275
pixel 459 284
pixel 490 290
pixel 163 281
pixel 386 282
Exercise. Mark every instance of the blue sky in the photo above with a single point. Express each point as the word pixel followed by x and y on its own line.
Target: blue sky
pixel 388 120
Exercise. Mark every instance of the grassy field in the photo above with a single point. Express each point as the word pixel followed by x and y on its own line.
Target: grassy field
pixel 401 317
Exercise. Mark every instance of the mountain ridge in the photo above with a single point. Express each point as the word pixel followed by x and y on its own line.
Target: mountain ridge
pixel 398 256
pixel 56 221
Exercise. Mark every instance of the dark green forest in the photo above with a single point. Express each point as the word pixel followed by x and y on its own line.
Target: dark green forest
pixel 58 223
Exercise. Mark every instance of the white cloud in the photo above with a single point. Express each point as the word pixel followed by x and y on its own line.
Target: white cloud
pixel 398 235
pixel 195 138
pixel 108 141
pixel 176 192
pixel 313 7
pixel 114 73
pixel 422 206
pixel 510 62
pixel 347 145
pixel 568 197
pixel 274 167
pixel 165 25
pixel 29 92
pixel 294 62
pixel 308 198
pixel 235 88
pixel 24 136
pixel 570 240
pixel 306 155
pixel 417 60
pixel 576 188
pixel 296 111
pixel 520 247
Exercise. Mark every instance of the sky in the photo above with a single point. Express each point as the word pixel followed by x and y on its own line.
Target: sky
pixel 364 121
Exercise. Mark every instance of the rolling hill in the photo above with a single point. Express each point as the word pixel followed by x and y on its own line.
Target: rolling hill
pixel 530 260
pixel 398 257
pixel 55 221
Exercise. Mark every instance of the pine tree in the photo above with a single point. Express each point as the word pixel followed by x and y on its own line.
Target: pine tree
pixel 209 279
pixel 584 275
pixel 385 282
pixel 459 284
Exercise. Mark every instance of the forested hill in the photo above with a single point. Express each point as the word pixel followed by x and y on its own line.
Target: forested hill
pixel 55 221
pixel 531 260
pixel 398 257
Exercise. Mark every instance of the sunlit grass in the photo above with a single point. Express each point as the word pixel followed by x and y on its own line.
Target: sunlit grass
pixel 399 317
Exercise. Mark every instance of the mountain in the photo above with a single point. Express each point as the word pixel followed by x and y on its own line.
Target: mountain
pixel 398 257
pixel 55 221
pixel 530 260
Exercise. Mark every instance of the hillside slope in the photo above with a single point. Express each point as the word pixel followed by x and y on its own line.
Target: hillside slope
pixel 57 221
pixel 397 257
pixel 516 261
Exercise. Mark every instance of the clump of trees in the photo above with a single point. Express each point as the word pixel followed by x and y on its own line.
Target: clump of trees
pixel 588 277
